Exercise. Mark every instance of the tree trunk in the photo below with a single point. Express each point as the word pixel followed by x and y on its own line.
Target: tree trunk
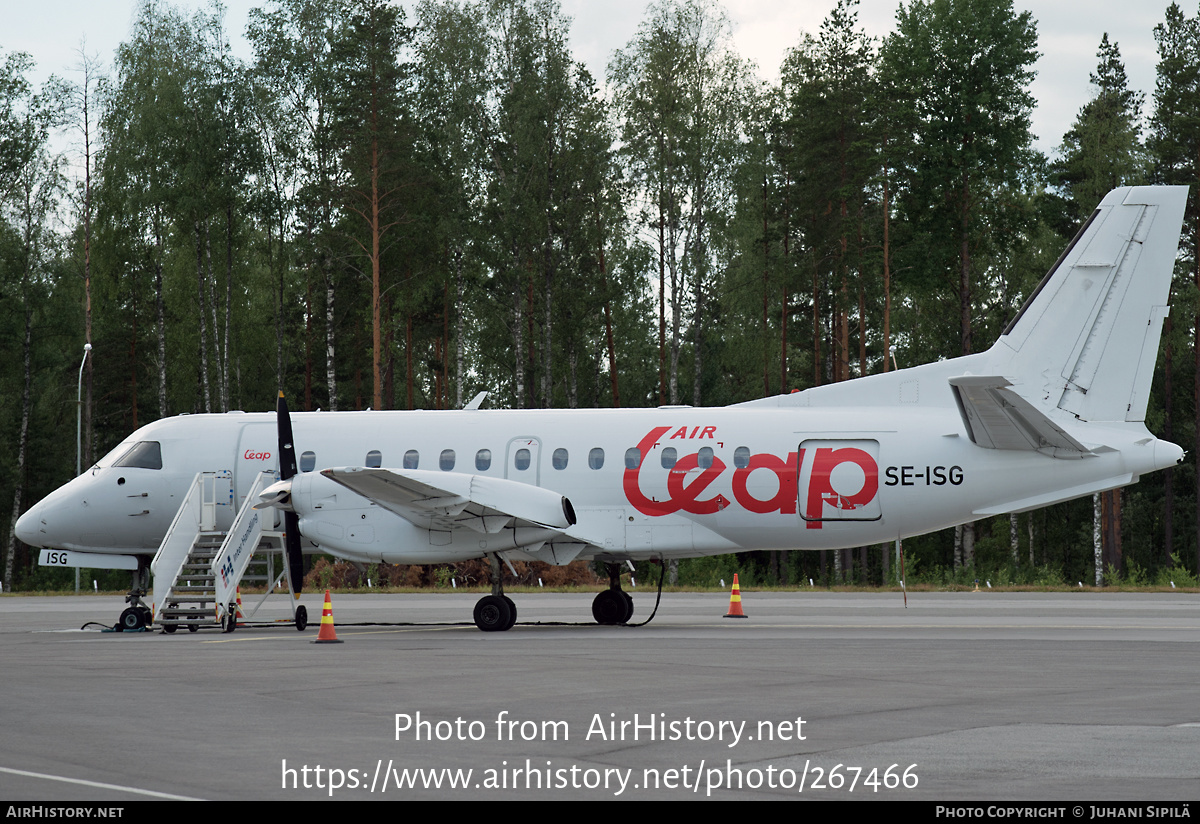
pixel 161 313
pixel 376 347
pixel 330 371
pixel 518 342
pixel 203 322
pixel 225 370
pixel 887 273
pixel 22 442
pixel 608 329
pixel 458 327
pixel 1168 434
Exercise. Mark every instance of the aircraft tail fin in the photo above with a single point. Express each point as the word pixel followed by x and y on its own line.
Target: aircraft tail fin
pixel 1087 339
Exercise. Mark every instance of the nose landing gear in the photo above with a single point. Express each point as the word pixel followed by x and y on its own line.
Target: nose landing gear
pixel 137 616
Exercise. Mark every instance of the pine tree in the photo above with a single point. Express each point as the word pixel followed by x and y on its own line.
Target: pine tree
pixel 962 70
pixel 1174 148
pixel 1103 148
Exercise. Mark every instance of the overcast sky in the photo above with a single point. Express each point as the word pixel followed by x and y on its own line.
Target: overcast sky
pixel 1069 34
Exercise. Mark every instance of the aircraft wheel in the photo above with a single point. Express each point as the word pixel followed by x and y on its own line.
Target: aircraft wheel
pixel 628 606
pixel 229 619
pixel 610 607
pixel 131 619
pixel 193 628
pixel 169 629
pixel 301 618
pixel 147 616
pixel 512 608
pixel 493 614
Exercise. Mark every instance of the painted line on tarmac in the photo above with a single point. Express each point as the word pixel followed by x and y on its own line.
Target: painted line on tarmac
pixel 99 784
pixel 347 634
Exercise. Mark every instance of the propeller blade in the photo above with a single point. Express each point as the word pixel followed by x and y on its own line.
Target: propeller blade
pixel 287 448
pixel 291 548
pixel 291 521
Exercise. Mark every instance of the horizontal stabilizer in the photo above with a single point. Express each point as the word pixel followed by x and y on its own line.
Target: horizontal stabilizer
pixel 444 501
pixel 1057 496
pixel 998 418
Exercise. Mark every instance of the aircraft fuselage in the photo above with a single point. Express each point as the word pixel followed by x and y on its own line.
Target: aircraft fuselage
pixel 673 482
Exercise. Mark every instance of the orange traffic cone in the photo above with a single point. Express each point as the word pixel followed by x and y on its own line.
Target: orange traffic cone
pixel 326 635
pixel 735 601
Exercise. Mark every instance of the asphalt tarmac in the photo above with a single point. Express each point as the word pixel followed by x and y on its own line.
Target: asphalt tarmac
pixel 968 696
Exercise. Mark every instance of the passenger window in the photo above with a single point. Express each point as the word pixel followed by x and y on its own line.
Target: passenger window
pixel 668 457
pixel 560 458
pixel 483 460
pixel 446 461
pixel 596 458
pixel 633 458
pixel 411 459
pixel 521 460
pixel 374 459
pixel 705 459
pixel 741 457
pixel 308 461
pixel 143 455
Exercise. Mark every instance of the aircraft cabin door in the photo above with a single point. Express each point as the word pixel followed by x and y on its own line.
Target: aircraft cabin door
pixel 521 460
pixel 839 481
pixel 257 445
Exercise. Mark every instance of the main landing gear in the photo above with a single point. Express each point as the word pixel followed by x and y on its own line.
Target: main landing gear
pixel 613 605
pixel 495 612
pixel 137 616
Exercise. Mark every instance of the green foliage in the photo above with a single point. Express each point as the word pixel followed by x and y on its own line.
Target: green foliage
pixel 711 570
pixel 963 148
pixel 1177 574
pixel 442 576
pixel 1103 148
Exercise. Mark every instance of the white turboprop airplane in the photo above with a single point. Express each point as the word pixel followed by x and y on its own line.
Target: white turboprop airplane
pixel 1053 411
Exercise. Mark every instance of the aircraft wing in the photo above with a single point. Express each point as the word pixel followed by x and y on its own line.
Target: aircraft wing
pixel 998 418
pixel 447 501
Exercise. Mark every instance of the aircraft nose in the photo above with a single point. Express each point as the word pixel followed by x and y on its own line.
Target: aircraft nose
pixel 30 527
pixel 56 521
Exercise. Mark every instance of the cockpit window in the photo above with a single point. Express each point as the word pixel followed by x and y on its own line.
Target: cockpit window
pixel 113 455
pixel 143 455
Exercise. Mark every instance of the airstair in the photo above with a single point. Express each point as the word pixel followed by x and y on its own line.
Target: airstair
pixel 199 567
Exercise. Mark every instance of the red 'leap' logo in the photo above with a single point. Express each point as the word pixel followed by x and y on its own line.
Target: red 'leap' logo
pixel 686 496
pixel 830 492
